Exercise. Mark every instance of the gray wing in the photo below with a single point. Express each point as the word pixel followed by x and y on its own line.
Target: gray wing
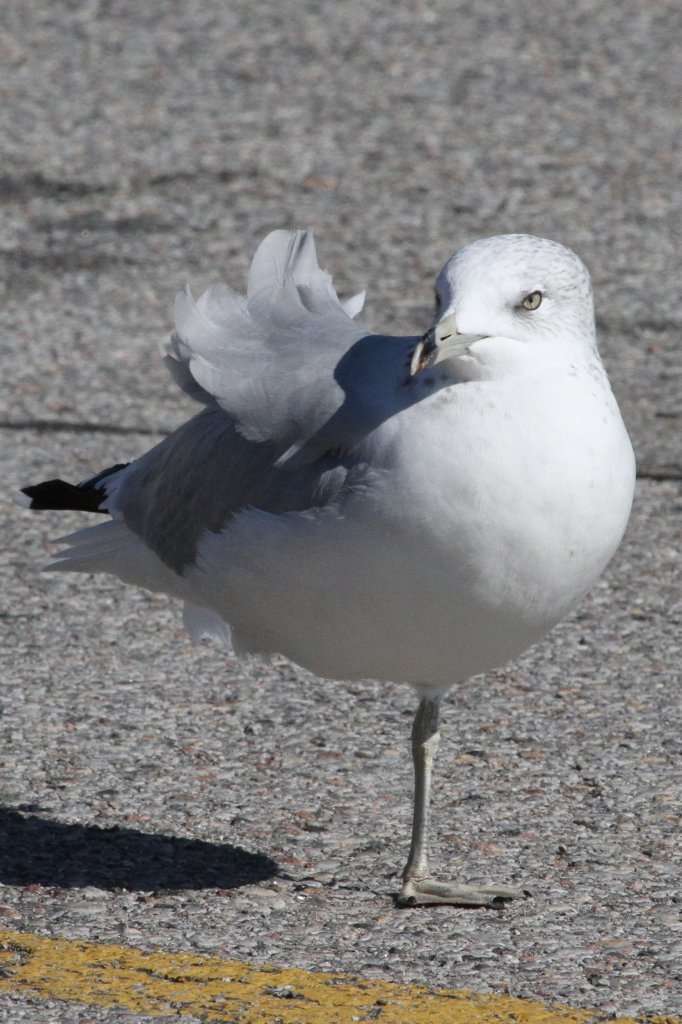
pixel 203 473
pixel 291 386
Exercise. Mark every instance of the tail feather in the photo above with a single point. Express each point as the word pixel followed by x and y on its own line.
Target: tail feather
pixel 89 496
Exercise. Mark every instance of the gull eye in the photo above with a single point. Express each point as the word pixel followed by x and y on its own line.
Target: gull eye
pixel 438 301
pixel 532 301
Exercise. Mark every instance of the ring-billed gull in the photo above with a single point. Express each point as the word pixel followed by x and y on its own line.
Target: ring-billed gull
pixel 398 508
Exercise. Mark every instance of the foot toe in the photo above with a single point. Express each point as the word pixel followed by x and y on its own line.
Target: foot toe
pixel 427 891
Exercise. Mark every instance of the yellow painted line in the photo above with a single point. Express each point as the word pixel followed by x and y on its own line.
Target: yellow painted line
pixel 241 993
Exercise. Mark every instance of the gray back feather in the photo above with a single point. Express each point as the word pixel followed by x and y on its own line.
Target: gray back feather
pixel 257 356
pixel 202 474
pixel 291 385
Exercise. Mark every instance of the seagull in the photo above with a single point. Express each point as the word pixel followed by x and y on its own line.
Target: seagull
pixel 410 509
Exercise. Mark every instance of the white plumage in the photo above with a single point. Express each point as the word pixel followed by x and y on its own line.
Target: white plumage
pixel 395 508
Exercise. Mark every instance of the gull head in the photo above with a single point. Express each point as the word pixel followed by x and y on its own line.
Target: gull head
pixel 502 298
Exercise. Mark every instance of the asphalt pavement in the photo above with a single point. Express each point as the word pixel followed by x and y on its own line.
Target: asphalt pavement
pixel 164 796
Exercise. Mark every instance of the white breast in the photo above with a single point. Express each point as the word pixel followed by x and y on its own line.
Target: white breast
pixel 483 527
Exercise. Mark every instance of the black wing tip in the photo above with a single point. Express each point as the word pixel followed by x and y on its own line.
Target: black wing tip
pixel 58 494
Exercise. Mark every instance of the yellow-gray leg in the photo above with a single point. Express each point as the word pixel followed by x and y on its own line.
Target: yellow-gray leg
pixel 419 887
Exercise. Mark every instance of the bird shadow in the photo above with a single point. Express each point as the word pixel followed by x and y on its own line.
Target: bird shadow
pixel 40 851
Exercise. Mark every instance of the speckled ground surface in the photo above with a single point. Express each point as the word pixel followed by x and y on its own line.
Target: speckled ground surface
pixel 158 794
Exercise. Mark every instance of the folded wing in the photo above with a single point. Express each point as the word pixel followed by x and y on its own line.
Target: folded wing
pixel 291 388
pixel 264 365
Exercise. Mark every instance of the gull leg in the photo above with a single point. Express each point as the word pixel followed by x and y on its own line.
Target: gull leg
pixel 419 888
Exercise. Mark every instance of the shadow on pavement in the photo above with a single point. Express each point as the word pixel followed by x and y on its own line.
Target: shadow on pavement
pixel 38 851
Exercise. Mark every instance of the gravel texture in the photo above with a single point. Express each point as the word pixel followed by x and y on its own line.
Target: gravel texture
pixel 162 795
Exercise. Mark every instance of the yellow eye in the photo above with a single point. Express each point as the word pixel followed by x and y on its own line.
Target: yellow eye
pixel 532 301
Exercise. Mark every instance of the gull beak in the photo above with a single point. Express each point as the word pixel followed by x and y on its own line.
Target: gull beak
pixel 442 341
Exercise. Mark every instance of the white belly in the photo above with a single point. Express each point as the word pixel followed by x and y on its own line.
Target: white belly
pixel 467 547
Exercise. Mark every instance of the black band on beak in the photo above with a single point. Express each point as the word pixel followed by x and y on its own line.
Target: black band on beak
pixel 423 350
